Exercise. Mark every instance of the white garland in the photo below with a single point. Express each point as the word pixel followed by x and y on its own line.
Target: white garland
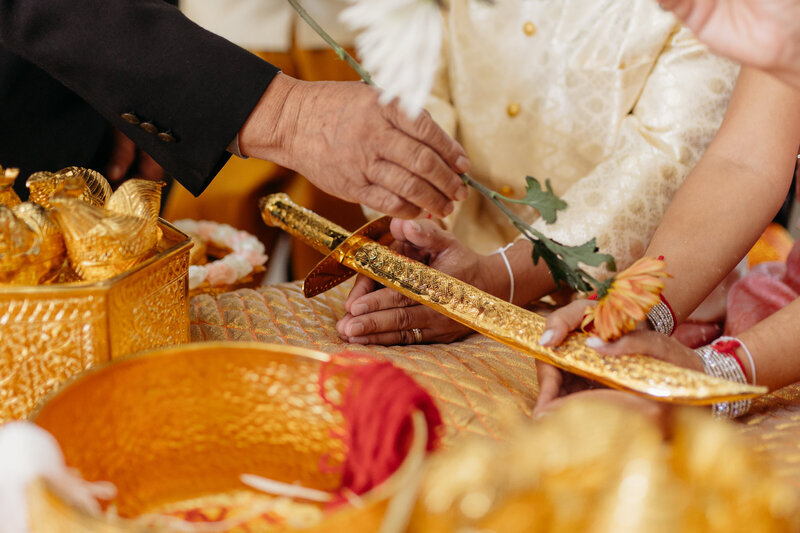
pixel 247 252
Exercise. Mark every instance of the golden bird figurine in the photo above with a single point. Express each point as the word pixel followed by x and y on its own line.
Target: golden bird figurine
pixel 104 242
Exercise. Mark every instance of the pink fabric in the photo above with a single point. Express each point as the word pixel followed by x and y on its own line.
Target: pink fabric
pixel 766 289
pixel 696 334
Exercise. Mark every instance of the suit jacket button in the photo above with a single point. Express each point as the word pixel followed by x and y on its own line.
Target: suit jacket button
pixel 130 118
pixel 149 127
pixel 166 137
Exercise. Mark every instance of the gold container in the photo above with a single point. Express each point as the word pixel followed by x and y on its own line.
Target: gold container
pixel 184 422
pixel 49 333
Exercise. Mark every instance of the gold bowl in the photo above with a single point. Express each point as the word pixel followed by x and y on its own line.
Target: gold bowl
pixel 184 423
pixel 49 333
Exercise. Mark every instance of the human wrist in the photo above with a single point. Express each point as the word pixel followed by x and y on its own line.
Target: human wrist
pixel 501 253
pixel 266 134
pixel 719 363
pixel 497 281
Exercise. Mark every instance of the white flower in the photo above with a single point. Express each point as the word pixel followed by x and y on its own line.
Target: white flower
pixel 239 264
pixel 223 234
pixel 197 275
pixel 186 225
pixel 399 44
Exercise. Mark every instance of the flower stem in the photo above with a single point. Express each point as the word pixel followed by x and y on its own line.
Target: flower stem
pixel 494 197
pixel 340 51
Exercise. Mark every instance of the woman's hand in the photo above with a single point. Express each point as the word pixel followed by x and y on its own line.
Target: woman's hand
pixel 761 33
pixel 377 315
pixel 554 383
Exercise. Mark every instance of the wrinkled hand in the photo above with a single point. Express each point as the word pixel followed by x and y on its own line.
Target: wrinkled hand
pixel 555 383
pixel 338 136
pixel 127 159
pixel 377 315
pixel 761 33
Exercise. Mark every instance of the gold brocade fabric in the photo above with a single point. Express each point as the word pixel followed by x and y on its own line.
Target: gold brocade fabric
pixel 479 384
pixel 475 381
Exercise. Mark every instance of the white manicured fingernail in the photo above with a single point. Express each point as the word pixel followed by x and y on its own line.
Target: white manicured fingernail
pixel 595 342
pixel 546 337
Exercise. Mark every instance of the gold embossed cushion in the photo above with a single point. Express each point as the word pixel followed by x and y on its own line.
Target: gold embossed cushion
pixel 474 381
pixel 478 383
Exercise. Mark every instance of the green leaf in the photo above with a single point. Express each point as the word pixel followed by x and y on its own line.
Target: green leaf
pixel 544 201
pixel 564 261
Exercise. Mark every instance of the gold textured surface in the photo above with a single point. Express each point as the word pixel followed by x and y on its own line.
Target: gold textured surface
pixel 477 383
pixel 32 250
pixel 8 197
pixel 105 241
pixel 473 381
pixel 52 332
pixel 185 422
pixel 94 189
pixel 595 466
pixel 500 320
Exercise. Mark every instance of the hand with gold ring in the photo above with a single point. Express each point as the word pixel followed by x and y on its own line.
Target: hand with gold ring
pixel 378 315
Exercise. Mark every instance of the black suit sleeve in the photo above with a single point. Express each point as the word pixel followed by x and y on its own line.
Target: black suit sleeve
pixel 190 90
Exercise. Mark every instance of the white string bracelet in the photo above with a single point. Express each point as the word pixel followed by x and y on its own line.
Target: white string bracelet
pixel 746 352
pixel 502 252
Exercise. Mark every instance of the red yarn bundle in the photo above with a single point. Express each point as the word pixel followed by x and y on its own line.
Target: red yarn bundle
pixel 377 404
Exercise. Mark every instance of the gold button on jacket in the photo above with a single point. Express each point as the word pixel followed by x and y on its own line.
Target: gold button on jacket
pixel 615 101
pixel 529 28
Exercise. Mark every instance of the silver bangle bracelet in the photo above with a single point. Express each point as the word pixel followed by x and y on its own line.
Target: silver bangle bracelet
pixel 723 366
pixel 661 319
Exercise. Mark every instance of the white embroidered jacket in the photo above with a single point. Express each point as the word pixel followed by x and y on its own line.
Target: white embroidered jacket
pixel 612 100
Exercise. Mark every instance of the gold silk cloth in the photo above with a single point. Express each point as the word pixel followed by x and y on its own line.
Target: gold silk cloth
pixel 479 385
pixel 612 100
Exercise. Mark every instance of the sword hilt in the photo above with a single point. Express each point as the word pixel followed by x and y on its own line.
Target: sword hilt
pixel 278 210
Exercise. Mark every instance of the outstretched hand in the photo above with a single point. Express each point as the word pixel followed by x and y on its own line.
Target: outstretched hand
pixel 377 315
pixel 555 383
pixel 339 137
pixel 761 33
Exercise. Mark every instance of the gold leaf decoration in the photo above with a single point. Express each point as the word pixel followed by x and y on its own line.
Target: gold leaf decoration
pixel 94 188
pixel 102 244
pixel 137 197
pixel 31 246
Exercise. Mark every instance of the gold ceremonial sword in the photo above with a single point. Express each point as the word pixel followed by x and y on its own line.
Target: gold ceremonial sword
pixel 365 251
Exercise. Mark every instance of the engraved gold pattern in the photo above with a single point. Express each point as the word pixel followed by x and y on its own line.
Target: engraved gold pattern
pixel 500 320
pixel 31 246
pixel 93 187
pixel 105 241
pixel 52 332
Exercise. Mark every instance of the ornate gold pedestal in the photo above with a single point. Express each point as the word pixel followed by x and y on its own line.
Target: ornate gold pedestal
pixel 52 332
